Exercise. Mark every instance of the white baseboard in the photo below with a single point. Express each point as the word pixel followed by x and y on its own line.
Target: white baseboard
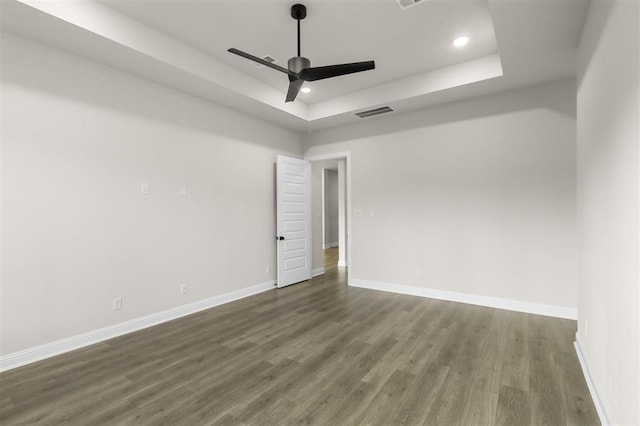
pixel 329 245
pixel 601 406
pixel 317 271
pixel 37 353
pixel 473 299
pixel 342 263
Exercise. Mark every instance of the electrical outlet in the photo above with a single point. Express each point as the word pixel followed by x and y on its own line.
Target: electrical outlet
pixel 418 273
pixel 183 191
pixel 184 288
pixel 144 188
pixel 267 269
pixel 117 303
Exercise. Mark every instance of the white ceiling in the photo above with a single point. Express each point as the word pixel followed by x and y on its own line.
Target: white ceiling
pixel 182 44
pixel 402 43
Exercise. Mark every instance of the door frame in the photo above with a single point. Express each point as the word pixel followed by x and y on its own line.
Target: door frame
pixel 343 155
pixel 322 208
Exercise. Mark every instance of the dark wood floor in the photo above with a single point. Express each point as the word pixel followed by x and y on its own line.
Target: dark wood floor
pixel 316 353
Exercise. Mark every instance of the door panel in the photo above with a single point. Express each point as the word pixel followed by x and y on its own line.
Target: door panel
pixel 293 220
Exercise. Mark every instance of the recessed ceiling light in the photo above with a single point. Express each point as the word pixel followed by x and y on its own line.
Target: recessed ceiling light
pixel 460 41
pixel 305 90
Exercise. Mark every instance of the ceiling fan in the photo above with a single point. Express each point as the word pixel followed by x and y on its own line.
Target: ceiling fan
pixel 299 68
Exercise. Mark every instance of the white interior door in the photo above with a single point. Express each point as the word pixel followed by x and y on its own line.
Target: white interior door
pixel 293 237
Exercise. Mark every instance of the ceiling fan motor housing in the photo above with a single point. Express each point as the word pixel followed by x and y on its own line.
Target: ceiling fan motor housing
pixel 298 63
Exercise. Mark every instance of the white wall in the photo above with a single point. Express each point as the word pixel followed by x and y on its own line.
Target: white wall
pixel 608 205
pixel 78 139
pixel 331 207
pixel 478 195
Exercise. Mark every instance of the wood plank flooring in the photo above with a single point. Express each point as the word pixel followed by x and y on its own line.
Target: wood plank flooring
pixel 316 353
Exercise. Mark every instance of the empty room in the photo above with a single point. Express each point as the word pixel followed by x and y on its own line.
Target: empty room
pixel 329 212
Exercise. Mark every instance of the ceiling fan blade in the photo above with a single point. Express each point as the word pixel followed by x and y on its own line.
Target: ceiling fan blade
pixel 319 73
pixel 258 60
pixel 294 88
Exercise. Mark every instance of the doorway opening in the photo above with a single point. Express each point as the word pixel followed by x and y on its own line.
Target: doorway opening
pixel 330 214
pixel 331 211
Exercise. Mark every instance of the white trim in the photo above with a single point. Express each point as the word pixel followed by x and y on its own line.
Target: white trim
pixel 342 263
pixel 40 352
pixel 349 215
pixel 322 208
pixel 473 299
pixel 329 245
pixel 317 271
pixel 601 406
pixel 330 156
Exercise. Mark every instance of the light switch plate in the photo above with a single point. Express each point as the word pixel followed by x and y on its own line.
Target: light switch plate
pixel 117 303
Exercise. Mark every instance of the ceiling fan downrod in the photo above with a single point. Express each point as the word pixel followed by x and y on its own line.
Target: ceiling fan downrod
pixel 298 63
pixel 298 12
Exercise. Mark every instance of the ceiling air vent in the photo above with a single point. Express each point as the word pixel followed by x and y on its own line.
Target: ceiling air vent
pixel 375 111
pixel 266 58
pixel 405 4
